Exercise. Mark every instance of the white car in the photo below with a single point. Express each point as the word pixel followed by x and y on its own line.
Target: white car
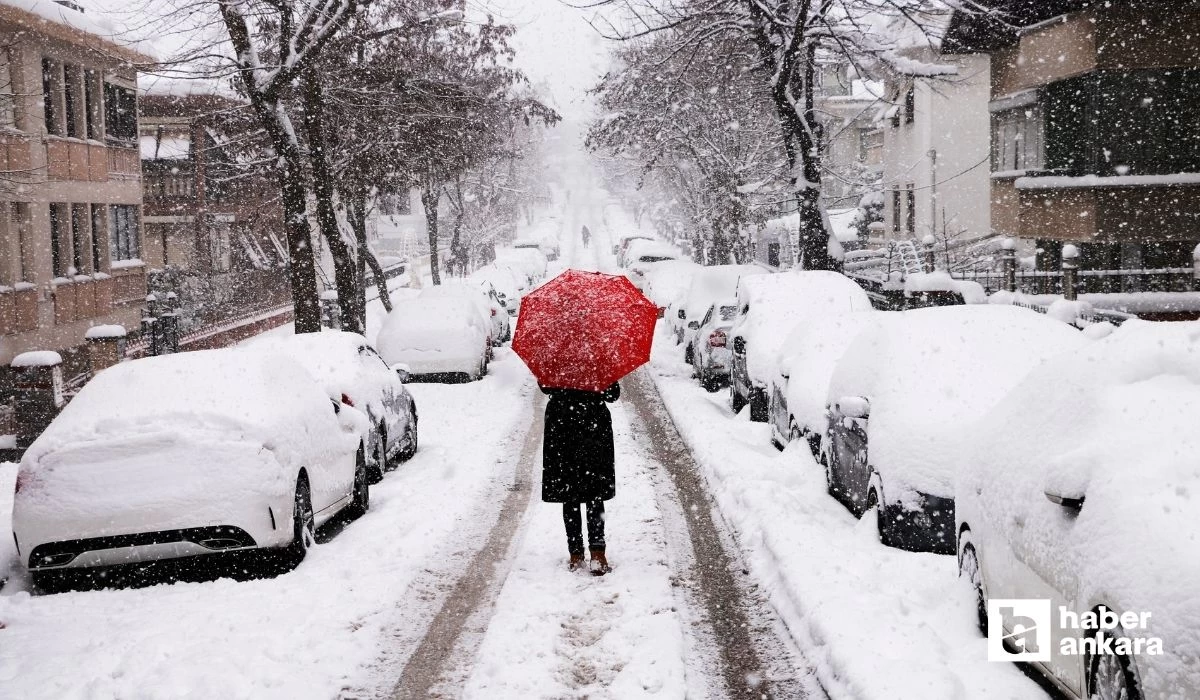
pixel 768 308
pixel 488 304
pixel 644 256
pixel 1080 488
pixel 509 285
pixel 438 338
pixel 352 372
pixel 714 285
pixel 183 455
pixel 668 281
pixel 902 392
pixel 797 392
pixel 546 246
pixel 532 263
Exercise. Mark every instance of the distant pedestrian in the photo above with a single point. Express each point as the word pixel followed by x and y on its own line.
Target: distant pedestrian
pixel 586 234
pixel 578 467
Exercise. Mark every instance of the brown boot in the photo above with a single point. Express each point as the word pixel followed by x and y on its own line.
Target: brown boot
pixel 576 562
pixel 599 564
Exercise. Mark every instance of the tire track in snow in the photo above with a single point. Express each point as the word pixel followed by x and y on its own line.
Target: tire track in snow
pixel 476 589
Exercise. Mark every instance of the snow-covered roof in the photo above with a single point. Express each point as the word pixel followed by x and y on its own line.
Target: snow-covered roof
pixel 89 29
pixel 166 148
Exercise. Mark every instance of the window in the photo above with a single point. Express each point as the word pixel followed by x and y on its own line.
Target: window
pixel 92 104
pixel 910 210
pixel 97 237
pixel 896 211
pixel 910 105
pixel 71 113
pixel 1018 136
pixel 120 112
pixel 773 254
pixel 80 228
pixel 8 105
pixel 50 84
pixel 123 232
pixel 19 221
pixel 59 245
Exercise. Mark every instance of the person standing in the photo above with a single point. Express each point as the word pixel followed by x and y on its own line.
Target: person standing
pixel 586 235
pixel 578 467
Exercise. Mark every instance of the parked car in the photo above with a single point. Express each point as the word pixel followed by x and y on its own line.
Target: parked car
pixel 182 455
pixel 624 240
pixel 543 245
pixel 668 281
pixel 508 285
pixel 709 349
pixel 1079 487
pixel 768 308
pixel 714 285
pixel 904 388
pixel 490 309
pixel 531 263
pixel 639 255
pixel 796 409
pixel 351 371
pixel 439 339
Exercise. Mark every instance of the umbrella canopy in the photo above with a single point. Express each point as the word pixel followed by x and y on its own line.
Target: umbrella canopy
pixel 584 330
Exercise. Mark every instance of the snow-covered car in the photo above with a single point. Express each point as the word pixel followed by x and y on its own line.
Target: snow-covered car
pixel 184 455
pixel 624 240
pixel 768 308
pixel 531 262
pixel 352 372
pixel 508 284
pixel 546 246
pixel 442 338
pixel 902 391
pixel 714 285
pixel 668 281
pixel 796 409
pixel 489 307
pixel 709 347
pixel 1080 487
pixel 643 256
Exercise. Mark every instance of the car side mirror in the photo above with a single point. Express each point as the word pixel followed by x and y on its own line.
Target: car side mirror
pixel 403 372
pixel 337 406
pixel 853 407
pixel 682 315
pixel 694 325
pixel 1072 503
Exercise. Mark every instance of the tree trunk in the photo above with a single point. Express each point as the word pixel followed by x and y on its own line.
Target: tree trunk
pixel 429 200
pixel 814 237
pixel 344 266
pixel 356 214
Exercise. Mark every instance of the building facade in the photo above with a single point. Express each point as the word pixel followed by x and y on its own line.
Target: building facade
pixel 1095 132
pixel 70 182
pixel 935 153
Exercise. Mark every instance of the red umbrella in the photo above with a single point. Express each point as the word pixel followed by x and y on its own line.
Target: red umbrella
pixel 584 330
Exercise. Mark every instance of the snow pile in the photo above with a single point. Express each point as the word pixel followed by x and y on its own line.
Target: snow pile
pixel 770 306
pixel 810 355
pixel 1114 423
pixel 928 372
pixel 105 331
pixel 36 358
pixel 941 281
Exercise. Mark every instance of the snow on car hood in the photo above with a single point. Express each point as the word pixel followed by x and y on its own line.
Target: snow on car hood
pixel 232 395
pixel 810 355
pixel 929 372
pixel 778 303
pixel 1115 423
pixel 715 284
pixel 448 324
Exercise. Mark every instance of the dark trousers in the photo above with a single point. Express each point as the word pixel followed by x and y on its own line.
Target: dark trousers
pixel 595 525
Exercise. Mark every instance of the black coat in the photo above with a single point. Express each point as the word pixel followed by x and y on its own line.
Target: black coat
pixel 577 452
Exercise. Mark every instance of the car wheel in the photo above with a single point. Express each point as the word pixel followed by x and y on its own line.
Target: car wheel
pixel 303 525
pixel 875 510
pixel 736 402
pixel 362 490
pixel 379 457
pixel 46 582
pixel 689 356
pixel 1112 677
pixel 968 570
pixel 710 383
pixel 410 439
pixel 758 406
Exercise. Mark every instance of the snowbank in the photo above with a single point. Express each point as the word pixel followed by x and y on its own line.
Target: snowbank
pixel 105 331
pixel 928 372
pixel 36 358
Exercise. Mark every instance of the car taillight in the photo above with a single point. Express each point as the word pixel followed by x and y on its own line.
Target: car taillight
pixel 21 480
pixel 346 400
pixel 716 339
pixel 493 311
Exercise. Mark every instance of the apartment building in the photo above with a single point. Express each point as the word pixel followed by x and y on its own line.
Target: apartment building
pixel 70 181
pixel 1095 133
